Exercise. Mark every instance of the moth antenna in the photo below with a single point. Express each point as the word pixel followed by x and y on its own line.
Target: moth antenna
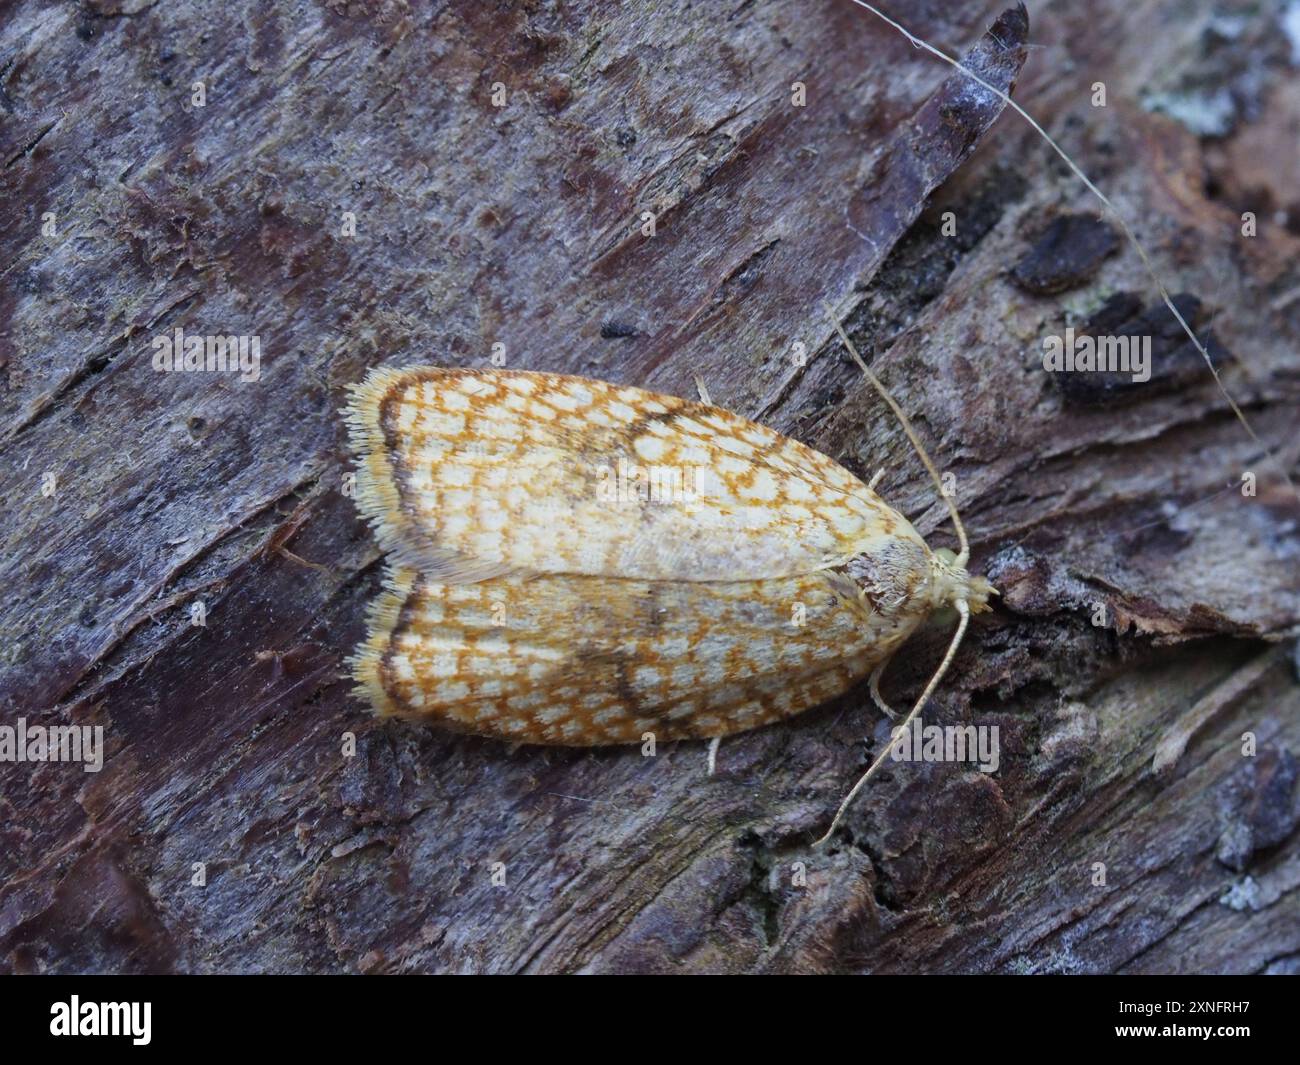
pixel 1129 235
pixel 963 556
pixel 964 611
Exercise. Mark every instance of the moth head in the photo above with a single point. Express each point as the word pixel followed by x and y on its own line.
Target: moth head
pixel 956 584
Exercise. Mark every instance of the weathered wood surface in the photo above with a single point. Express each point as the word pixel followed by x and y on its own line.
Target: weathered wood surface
pixel 518 225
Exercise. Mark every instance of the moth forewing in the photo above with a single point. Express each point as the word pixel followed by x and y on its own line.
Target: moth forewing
pixel 470 474
pixel 585 661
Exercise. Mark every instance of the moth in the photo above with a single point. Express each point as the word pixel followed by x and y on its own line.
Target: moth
pixel 581 563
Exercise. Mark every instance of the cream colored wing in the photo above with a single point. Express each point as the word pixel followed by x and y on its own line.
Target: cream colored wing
pixel 584 661
pixel 466 475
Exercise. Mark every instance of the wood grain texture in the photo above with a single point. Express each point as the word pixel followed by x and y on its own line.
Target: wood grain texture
pixel 518 225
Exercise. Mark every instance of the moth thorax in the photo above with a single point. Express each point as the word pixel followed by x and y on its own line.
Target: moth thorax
pixel 893 575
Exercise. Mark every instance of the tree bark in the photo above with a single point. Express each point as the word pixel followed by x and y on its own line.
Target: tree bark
pixel 1149 599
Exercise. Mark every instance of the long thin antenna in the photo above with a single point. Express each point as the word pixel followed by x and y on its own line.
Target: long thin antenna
pixel 963 556
pixel 917 42
pixel 964 611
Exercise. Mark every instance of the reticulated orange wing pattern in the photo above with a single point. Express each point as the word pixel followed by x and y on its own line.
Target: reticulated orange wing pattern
pixel 467 475
pixel 583 661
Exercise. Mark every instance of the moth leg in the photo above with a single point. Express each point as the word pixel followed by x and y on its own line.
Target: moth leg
pixel 874 684
pixel 713 754
pixel 702 390
pixel 875 479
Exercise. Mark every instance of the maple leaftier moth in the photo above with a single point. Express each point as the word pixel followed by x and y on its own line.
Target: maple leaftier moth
pixel 529 603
